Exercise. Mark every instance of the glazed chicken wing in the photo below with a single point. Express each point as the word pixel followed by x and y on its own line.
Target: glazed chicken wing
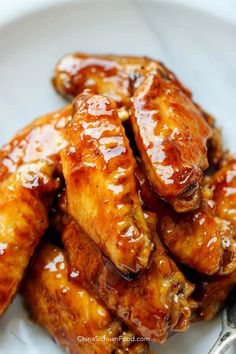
pixel 40 140
pixel 223 185
pixel 27 165
pixel 69 313
pixel 152 305
pixel 171 135
pixel 212 292
pixel 23 221
pixel 98 167
pixel 108 75
pixel 198 239
pixel 105 75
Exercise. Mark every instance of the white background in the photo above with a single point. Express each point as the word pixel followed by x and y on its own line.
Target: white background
pixel 224 8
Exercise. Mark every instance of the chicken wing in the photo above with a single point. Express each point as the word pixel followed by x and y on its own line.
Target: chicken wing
pixel 201 240
pixel 198 239
pixel 171 136
pixel 76 320
pixel 153 304
pixel 105 75
pixel 28 164
pixel 40 140
pixel 98 166
pixel 23 221
pixel 213 291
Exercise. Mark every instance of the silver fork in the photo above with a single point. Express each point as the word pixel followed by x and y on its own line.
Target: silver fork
pixel 228 333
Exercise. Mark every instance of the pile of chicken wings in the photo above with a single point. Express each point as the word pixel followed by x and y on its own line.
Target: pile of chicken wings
pixel 118 212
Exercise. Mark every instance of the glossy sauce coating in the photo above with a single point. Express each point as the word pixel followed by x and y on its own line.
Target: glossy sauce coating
pixel 23 221
pixel 98 166
pixel 104 74
pixel 28 164
pixel 197 239
pixel 201 240
pixel 152 305
pixel 212 292
pixel 68 312
pixel 171 136
pixel 40 140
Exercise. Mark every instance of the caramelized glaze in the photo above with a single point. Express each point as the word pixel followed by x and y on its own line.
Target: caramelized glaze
pixel 23 221
pixel 171 136
pixel 103 74
pixel 212 292
pixel 28 164
pixel 40 140
pixel 98 166
pixel 69 313
pixel 198 239
pixel 152 305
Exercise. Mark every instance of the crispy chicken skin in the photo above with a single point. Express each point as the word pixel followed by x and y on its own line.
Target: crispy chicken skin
pixel 152 305
pixel 98 166
pixel 40 140
pixel 198 239
pixel 68 312
pixel 23 221
pixel 103 74
pixel 171 135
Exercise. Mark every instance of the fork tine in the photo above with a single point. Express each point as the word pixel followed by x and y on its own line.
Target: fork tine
pixel 226 337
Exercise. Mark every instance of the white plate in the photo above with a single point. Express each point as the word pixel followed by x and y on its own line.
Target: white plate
pixel 199 47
